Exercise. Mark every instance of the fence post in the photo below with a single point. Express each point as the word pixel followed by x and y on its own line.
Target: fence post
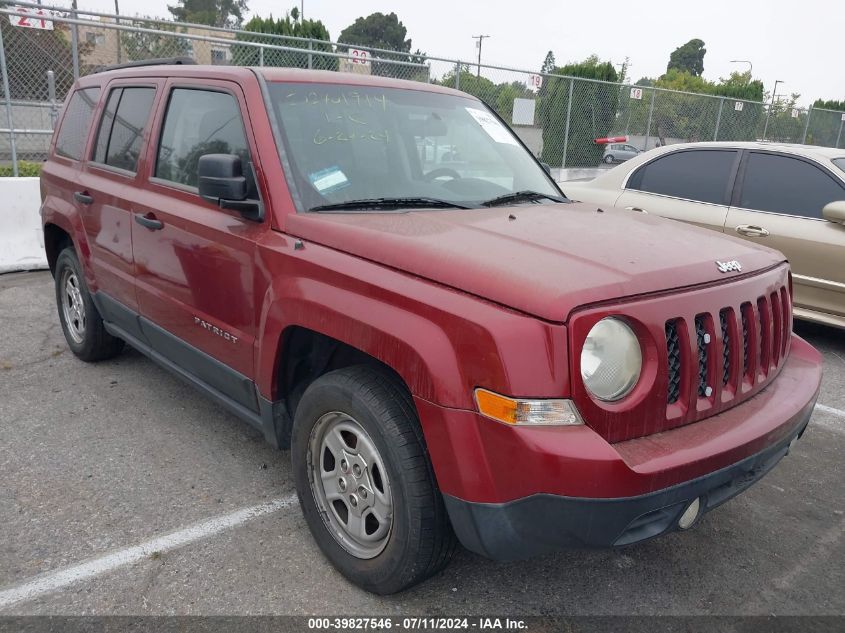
pixel 838 136
pixel 566 129
pixel 806 125
pixel 51 95
pixel 8 97
pixel 310 55
pixel 74 42
pixel 457 75
pixel 768 114
pixel 719 119
pixel 648 126
pixel 260 55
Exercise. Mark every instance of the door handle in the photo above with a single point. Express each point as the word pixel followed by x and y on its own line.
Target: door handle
pixel 637 209
pixel 83 197
pixel 750 230
pixel 149 221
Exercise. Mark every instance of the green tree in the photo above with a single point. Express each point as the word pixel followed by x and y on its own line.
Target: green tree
pixel 592 115
pixel 222 13
pixel 826 127
pixel 786 123
pixel 830 104
pixel 385 31
pixel 290 26
pixel 548 63
pixel 689 58
pixel 498 96
pixel 741 125
pixel 740 86
pixel 678 115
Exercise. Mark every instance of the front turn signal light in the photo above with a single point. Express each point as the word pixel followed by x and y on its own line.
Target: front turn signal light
pixel 520 411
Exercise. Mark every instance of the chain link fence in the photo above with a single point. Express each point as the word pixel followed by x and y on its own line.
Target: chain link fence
pixel 44 49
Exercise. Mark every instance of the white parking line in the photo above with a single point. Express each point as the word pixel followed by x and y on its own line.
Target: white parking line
pixel 831 410
pixel 61 578
pixel 833 424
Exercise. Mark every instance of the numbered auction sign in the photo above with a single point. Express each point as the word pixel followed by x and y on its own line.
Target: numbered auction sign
pixel 32 19
pixel 535 82
pixel 738 105
pixel 637 93
pixel 359 57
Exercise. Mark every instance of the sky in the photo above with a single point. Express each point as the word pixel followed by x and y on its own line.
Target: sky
pixel 798 43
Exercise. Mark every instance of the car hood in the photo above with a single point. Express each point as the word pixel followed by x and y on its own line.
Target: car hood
pixel 545 260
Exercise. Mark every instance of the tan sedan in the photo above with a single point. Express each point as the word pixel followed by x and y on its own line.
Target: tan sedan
pixel 788 197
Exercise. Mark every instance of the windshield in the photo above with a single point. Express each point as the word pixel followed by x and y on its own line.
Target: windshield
pixel 839 162
pixel 347 143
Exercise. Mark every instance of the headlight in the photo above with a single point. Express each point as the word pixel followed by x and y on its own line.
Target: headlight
pixel 611 360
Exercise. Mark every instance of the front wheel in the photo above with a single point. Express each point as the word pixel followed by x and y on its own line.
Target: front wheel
pixel 608 159
pixel 365 482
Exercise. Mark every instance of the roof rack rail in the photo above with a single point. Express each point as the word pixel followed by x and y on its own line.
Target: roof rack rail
pixel 161 61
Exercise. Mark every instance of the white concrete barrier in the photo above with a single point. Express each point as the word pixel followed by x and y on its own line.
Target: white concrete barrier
pixel 21 237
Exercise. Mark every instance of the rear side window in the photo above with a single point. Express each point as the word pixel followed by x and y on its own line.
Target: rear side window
pixel 122 127
pixel 781 184
pixel 700 175
pixel 77 120
pixel 199 122
pixel 839 162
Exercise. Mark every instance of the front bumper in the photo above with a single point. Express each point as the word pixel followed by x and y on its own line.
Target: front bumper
pixel 513 492
pixel 542 523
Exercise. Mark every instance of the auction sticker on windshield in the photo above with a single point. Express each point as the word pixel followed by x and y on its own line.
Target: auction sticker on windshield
pixel 329 179
pixel 492 126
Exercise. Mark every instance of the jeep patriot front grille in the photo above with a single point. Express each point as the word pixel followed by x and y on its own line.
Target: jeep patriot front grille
pixel 743 350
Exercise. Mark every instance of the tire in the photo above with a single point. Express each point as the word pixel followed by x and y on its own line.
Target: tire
pixel 608 159
pixel 81 321
pixel 412 538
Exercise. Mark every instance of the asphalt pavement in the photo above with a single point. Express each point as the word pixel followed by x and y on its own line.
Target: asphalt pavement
pixel 124 491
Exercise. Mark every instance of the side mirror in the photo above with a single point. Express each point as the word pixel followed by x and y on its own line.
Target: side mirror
pixel 547 167
pixel 834 212
pixel 221 181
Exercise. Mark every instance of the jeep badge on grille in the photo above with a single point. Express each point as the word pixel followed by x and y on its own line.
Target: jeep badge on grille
pixel 726 267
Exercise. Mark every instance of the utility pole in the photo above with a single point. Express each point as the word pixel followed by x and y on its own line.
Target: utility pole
pixel 480 39
pixel 117 33
pixel 769 111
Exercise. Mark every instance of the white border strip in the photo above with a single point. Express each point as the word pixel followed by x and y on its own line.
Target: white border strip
pixel 61 578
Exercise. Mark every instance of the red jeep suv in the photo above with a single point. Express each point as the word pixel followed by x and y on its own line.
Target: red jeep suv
pixel 378 276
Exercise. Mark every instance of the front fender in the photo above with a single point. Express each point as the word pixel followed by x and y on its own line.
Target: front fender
pixel 442 342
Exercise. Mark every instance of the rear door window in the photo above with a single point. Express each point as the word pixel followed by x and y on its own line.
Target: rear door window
pixel 699 175
pixel 70 142
pixel 122 127
pixel 787 185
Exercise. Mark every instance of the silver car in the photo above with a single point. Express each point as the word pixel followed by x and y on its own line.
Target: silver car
pixel 788 197
pixel 619 153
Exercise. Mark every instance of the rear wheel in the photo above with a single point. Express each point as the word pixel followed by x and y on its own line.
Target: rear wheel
pixel 81 322
pixel 608 159
pixel 365 482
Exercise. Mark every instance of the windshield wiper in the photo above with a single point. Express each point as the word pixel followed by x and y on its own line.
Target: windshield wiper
pixel 522 196
pixel 391 203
